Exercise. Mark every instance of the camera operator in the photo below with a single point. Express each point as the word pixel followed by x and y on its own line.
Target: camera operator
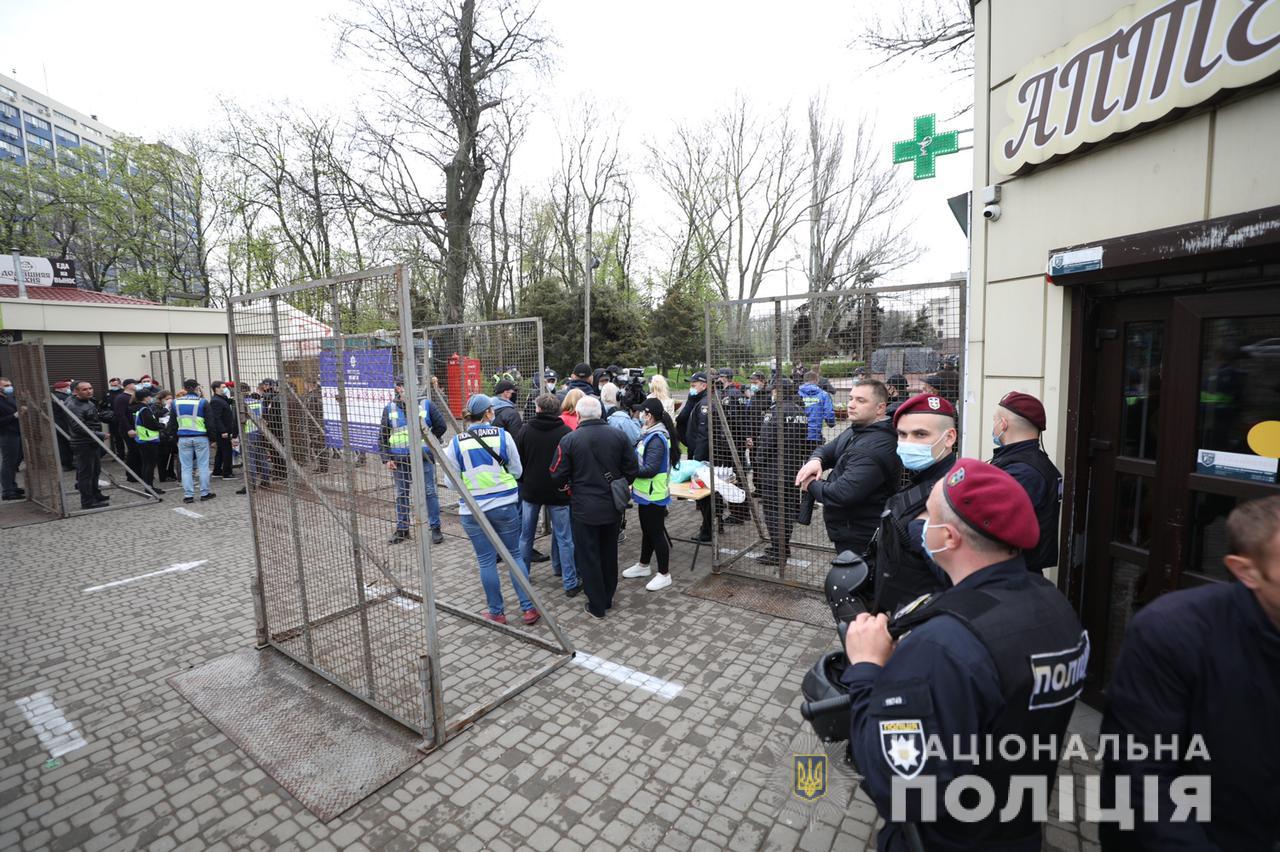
pixel 864 466
pixel 961 673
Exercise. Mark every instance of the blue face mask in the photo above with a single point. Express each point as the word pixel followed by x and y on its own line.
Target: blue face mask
pixel 934 568
pixel 916 456
pixel 998 439
pixel 8 391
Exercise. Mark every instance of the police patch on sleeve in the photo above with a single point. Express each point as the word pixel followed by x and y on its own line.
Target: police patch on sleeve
pixel 902 742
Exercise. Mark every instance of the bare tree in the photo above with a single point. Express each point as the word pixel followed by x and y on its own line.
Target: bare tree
pixel 937 30
pixel 447 65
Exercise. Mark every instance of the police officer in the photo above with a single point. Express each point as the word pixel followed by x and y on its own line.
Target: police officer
pixel 774 474
pixel 926 427
pixel 997 659
pixel 865 470
pixel 256 469
pixel 1015 430
pixel 191 409
pixel 691 423
pixel 1204 662
pixel 145 433
pixel 393 442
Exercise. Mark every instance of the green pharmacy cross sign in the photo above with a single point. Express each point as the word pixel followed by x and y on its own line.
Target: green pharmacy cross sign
pixel 926 146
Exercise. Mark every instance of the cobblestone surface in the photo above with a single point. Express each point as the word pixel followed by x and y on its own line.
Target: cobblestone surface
pixel 577 761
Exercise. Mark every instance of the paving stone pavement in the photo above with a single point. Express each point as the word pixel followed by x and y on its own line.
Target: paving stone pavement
pixel 576 761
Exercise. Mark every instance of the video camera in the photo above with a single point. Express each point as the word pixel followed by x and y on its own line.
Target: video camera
pixel 630 381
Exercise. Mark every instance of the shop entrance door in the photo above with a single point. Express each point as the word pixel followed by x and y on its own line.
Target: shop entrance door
pixel 1179 385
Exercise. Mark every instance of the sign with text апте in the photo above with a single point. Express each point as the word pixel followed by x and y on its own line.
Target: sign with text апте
pixel 368 377
pixel 1146 61
pixel 39 271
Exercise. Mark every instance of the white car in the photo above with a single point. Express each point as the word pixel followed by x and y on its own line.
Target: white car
pixel 1267 347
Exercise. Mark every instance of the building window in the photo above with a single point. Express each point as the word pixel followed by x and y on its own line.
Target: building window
pixel 64 118
pixel 8 110
pixel 5 91
pixel 66 137
pixel 35 103
pixel 11 149
pixel 37 123
pixel 42 143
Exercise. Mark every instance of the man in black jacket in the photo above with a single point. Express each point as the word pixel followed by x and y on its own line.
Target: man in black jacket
pixel 1202 665
pixel 864 466
pixel 505 413
pixel 537 443
pixel 586 461
pixel 1015 430
pixel 581 379
pixel 773 473
pixel 62 392
pixel 122 409
pixel 10 442
pixel 691 423
pixel 222 428
pixel 86 451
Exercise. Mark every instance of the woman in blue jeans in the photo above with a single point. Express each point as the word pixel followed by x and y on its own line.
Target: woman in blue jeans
pixel 488 464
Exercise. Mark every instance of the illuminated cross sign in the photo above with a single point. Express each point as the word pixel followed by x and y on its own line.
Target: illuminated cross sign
pixel 927 144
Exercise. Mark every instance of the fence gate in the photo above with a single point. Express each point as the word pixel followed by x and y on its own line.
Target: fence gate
pixel 205 364
pixel 45 424
pixel 394 622
pixel 906 337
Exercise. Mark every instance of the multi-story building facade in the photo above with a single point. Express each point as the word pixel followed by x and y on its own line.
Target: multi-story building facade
pixel 34 126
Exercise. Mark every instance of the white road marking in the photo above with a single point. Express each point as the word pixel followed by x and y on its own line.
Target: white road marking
pixel 666 689
pixel 187 512
pixel 56 734
pixel 181 566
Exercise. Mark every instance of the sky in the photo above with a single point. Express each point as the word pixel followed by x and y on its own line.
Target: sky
pixel 152 69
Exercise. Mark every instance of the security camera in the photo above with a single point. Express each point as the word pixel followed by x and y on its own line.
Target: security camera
pixel 991 212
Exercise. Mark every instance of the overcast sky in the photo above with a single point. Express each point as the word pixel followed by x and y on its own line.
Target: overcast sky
pixel 150 68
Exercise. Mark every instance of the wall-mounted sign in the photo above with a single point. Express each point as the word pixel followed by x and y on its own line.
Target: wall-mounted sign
pixel 1236 465
pixel 925 146
pixel 39 271
pixel 1076 260
pixel 1147 60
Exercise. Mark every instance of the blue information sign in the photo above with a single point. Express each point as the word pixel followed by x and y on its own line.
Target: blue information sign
pixel 368 377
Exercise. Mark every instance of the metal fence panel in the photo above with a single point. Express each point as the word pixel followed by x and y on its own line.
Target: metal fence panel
pixel 171 367
pixel 42 467
pixel 337 587
pixel 910 338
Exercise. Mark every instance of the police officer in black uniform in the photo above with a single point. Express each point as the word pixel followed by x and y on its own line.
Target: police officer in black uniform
pixel 773 475
pixel 926 428
pixel 1015 430
pixel 999 657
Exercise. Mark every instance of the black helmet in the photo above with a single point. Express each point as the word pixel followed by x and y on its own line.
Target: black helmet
pixel 820 683
pixel 549 374
pixel 847 576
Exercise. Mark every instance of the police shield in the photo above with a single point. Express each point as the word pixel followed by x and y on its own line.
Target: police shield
pixel 902 743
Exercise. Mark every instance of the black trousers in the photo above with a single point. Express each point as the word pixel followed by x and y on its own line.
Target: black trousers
pixel 222 458
pixel 88 468
pixel 120 441
pixel 165 461
pixel 595 555
pixel 780 508
pixel 132 458
pixel 708 505
pixel 65 454
pixel 653 535
pixel 148 455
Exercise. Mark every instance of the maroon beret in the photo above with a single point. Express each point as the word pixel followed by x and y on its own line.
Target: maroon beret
pixel 1025 406
pixel 925 403
pixel 992 502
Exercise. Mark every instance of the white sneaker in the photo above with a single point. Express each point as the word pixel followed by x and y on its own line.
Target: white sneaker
pixel 636 571
pixel 659 582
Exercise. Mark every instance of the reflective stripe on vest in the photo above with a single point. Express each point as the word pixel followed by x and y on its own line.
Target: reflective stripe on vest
pixel 481 473
pixel 145 435
pixel 189 419
pixel 255 412
pixel 398 440
pixel 655 489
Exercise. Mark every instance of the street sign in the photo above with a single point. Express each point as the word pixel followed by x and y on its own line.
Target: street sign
pixel 927 145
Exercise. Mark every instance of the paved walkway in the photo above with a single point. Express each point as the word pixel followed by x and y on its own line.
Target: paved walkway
pixel 577 761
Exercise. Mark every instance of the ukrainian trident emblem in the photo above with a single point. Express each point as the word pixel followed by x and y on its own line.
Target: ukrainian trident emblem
pixel 810 776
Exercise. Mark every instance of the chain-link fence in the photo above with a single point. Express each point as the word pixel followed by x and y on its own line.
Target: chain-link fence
pixel 806 352
pixel 342 512
pixel 171 367
pixel 61 454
